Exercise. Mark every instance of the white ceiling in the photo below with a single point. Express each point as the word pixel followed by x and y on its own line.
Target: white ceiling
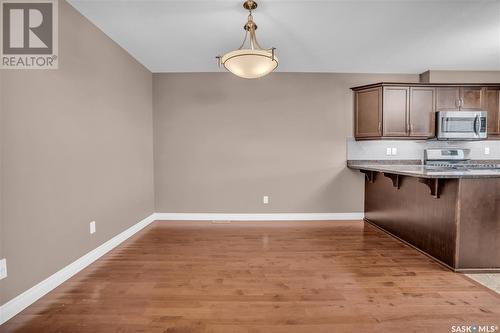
pixel 310 36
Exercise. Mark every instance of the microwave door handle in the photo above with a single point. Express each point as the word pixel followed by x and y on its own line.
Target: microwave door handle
pixel 477 124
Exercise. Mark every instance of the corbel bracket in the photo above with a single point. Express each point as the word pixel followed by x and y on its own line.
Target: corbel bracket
pixel 434 184
pixel 396 179
pixel 370 175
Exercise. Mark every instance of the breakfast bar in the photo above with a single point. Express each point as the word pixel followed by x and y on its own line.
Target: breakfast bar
pixel 450 214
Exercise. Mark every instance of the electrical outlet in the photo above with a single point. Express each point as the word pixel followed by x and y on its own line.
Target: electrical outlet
pixel 486 150
pixel 265 200
pixel 3 268
pixel 92 227
pixel 394 151
pixel 388 152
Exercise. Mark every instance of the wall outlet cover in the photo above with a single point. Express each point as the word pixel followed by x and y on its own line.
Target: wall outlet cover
pixel 486 150
pixel 3 268
pixel 394 151
pixel 265 199
pixel 388 152
pixel 92 227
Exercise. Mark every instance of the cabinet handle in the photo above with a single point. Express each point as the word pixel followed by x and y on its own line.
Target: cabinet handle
pixel 411 128
pixel 457 103
pixel 380 127
pixel 461 102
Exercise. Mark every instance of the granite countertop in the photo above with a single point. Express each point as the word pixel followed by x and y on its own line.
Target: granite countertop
pixel 411 168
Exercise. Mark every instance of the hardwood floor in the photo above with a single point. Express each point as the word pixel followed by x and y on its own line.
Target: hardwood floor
pixel 180 277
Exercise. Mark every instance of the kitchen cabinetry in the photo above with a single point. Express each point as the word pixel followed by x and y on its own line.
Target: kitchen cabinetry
pixel 448 228
pixel 408 110
pixel 369 112
pixel 394 112
pixel 422 112
pixel 459 98
pixel 448 98
pixel 492 106
pixel 471 98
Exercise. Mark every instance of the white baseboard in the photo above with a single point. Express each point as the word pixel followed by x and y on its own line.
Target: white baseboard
pixel 259 217
pixel 19 303
pixel 22 301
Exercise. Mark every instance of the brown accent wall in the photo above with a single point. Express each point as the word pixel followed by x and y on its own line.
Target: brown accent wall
pixel 222 142
pixel 76 146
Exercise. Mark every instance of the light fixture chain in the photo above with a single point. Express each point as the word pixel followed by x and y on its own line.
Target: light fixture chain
pixel 244 40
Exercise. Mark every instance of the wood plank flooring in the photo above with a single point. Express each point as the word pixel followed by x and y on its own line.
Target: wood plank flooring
pixel 183 277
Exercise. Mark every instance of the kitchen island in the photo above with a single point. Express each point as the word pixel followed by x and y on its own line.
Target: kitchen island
pixel 452 216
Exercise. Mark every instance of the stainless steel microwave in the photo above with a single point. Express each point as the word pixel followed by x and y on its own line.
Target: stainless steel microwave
pixel 461 125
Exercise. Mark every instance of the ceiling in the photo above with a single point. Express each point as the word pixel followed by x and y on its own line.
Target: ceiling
pixel 310 36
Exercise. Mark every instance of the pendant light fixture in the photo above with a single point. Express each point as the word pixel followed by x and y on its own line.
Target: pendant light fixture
pixel 250 60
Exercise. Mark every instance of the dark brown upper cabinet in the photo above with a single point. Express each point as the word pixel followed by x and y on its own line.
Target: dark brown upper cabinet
pixel 492 105
pixel 459 98
pixel 448 98
pixel 471 98
pixel 408 110
pixel 368 113
pixel 422 112
pixel 394 112
pixel 395 107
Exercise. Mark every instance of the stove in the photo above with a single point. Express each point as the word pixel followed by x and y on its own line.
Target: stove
pixel 446 159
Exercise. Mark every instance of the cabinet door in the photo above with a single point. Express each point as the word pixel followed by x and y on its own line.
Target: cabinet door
pixel 471 98
pixel 492 105
pixel 447 98
pixel 368 106
pixel 395 114
pixel 422 111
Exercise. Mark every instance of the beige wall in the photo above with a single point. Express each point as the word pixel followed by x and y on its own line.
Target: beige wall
pixel 433 76
pixel 76 144
pixel 1 167
pixel 222 142
pixel 76 147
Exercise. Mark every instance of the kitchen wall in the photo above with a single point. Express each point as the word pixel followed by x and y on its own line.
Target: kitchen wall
pixel 414 149
pixel 76 146
pixel 436 76
pixel 222 142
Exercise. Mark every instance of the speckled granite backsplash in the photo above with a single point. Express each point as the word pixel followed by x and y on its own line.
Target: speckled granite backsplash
pixel 414 150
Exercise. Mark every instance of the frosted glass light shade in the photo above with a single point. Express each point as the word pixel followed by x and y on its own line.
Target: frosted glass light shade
pixel 250 64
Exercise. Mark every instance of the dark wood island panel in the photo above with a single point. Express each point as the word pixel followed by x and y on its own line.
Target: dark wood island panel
pixel 479 223
pixel 460 227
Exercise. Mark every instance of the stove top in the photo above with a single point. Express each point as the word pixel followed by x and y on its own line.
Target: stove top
pixel 453 159
pixel 460 166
